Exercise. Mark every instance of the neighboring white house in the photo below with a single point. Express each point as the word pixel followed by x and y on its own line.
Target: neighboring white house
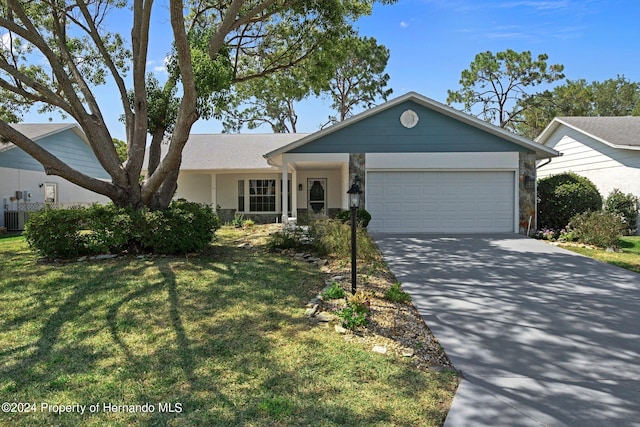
pixel 425 167
pixel 23 182
pixel 604 149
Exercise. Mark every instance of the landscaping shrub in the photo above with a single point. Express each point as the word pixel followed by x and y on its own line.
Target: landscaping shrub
pixel 396 294
pixel 55 233
pixel 626 205
pixel 111 229
pixel 181 228
pixel 602 229
pixel 285 239
pixel 357 312
pixel 332 237
pixel 66 233
pixel 562 196
pixel 362 216
pixel 335 291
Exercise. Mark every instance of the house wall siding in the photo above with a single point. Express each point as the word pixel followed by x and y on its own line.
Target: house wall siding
pixel 383 133
pixel 13 180
pixel 67 146
pixel 194 187
pixel 606 166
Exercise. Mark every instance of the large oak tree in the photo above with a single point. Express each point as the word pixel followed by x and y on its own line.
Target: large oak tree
pixel 54 53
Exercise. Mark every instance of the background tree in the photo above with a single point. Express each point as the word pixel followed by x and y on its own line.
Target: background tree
pixel 351 73
pixel 360 78
pixel 271 100
pixel 121 149
pixel 59 51
pixel 502 84
pixel 612 97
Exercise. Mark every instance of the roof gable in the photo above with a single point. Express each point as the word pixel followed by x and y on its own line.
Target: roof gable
pixel 65 141
pixel 36 131
pixel 439 129
pixel 619 132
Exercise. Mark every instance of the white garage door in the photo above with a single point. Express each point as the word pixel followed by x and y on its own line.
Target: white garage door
pixel 441 202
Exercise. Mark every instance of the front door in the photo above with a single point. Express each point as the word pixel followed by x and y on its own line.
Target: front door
pixel 317 197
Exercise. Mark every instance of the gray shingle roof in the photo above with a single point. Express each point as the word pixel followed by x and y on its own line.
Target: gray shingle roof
pixel 36 131
pixel 619 131
pixel 232 151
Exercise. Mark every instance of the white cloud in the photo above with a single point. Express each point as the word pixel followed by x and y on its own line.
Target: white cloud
pixel 404 24
pixel 158 67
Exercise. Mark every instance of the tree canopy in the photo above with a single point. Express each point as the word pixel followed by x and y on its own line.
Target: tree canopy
pixel 54 54
pixel 612 97
pixel 502 83
pixel 351 73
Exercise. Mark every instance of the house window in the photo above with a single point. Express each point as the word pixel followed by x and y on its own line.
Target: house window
pixel 262 195
pixel 50 192
pixel 241 195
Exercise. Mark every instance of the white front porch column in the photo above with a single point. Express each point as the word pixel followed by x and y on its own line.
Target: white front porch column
pixel 285 192
pixel 214 191
pixel 294 193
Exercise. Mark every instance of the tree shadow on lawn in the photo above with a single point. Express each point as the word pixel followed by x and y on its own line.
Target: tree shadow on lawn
pixel 206 332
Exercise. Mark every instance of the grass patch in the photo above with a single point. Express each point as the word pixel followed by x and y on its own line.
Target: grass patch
pixel 222 334
pixel 629 258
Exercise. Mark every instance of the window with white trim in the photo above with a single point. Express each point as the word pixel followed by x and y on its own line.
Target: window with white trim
pixel 262 195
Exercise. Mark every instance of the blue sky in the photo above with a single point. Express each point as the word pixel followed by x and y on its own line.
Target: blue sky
pixel 432 41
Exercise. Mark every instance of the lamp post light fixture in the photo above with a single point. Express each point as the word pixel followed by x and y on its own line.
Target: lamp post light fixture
pixel 354 203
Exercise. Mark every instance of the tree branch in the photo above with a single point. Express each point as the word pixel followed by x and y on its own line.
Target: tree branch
pixel 53 165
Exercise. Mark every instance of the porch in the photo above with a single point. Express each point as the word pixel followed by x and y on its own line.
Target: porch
pixel 316 187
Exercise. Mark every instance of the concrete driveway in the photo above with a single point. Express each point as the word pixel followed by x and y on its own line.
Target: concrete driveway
pixel 542 336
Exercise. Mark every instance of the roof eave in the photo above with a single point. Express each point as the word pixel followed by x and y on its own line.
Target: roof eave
pixel 557 122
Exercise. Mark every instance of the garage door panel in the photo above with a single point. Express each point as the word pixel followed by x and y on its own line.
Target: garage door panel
pixel 465 202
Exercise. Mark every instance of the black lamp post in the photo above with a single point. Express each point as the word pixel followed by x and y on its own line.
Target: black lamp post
pixel 354 202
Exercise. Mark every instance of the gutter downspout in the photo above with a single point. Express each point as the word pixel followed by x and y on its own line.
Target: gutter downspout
pixel 547 162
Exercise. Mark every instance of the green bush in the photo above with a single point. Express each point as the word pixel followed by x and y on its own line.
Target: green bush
pixel 331 237
pixel 285 239
pixel 363 217
pixel 602 229
pixel 395 294
pixel 357 312
pixel 562 196
pixel 56 233
pixel 626 205
pixel 66 233
pixel 111 229
pixel 335 291
pixel 181 228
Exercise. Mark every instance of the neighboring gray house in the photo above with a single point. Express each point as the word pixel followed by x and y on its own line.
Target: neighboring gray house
pixel 604 149
pixel 425 167
pixel 23 183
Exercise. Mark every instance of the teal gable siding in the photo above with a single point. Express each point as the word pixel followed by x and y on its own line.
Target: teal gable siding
pixel 383 133
pixel 67 146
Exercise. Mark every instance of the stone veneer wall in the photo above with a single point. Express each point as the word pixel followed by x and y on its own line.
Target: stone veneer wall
pixel 357 166
pixel 527 202
pixel 227 215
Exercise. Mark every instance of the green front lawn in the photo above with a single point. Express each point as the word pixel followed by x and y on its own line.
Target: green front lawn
pixel 216 339
pixel 629 258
